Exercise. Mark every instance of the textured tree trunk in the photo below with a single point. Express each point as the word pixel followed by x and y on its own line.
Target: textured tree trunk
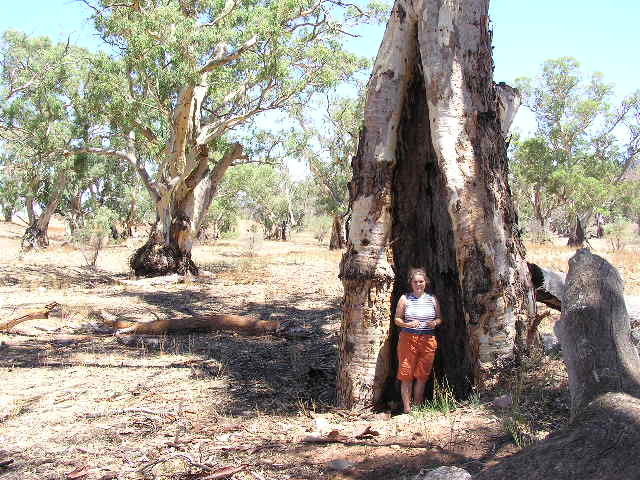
pixel 35 236
pixel 602 441
pixel 430 189
pixel 577 237
pixel 7 213
pixel 180 211
pixel 31 214
pixel 337 241
pixel 168 249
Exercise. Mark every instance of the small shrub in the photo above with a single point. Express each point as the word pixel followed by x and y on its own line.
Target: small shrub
pixel 443 401
pixel 94 235
pixel 320 227
pixel 254 240
pixel 518 429
pixel 618 233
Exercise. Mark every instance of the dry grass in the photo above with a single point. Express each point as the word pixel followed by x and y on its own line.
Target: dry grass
pixel 75 396
pixel 556 255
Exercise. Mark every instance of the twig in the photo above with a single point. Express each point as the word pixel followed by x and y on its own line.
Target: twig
pixel 351 442
pixel 6 463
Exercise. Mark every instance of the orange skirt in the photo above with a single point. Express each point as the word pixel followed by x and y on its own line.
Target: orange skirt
pixel 415 356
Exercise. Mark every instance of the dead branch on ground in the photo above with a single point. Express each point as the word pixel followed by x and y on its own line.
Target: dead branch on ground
pixel 37 314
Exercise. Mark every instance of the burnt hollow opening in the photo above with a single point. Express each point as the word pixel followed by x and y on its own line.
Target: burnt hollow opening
pixel 422 236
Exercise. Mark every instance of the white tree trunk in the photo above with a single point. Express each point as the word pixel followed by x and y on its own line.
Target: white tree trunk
pixel 429 189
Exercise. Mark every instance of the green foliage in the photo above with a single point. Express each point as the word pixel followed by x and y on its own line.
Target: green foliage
pixel 518 428
pixel 618 233
pixel 9 188
pixel 270 196
pixel 576 161
pixel 328 148
pixel 46 111
pixel 443 400
pixel 94 235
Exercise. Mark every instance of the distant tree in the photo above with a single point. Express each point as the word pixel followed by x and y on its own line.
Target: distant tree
pixel 275 201
pixel 583 146
pixel 186 75
pixel 42 113
pixel 330 144
pixel 9 189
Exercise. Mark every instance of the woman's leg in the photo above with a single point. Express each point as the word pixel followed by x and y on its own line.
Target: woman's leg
pixel 418 391
pixel 405 391
pixel 427 348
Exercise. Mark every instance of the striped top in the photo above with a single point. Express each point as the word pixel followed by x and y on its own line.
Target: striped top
pixel 422 309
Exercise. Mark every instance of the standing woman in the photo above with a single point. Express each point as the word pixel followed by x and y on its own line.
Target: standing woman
pixel 417 315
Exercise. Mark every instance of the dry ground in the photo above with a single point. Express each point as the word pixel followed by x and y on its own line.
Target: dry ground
pixel 78 403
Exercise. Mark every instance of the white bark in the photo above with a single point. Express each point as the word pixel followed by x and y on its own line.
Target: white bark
pixel 455 106
pixel 444 48
pixel 366 273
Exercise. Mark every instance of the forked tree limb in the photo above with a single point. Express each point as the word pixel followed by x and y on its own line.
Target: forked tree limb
pixel 36 314
pixel 533 328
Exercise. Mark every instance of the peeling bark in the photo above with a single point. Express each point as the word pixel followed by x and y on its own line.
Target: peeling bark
pixel 180 211
pixel 430 189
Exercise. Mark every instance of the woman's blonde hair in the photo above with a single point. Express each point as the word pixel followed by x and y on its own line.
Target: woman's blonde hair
pixel 418 271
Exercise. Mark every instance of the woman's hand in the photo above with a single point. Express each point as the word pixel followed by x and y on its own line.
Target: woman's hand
pixel 413 324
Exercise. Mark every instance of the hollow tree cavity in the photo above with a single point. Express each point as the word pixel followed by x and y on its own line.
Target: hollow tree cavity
pixel 430 189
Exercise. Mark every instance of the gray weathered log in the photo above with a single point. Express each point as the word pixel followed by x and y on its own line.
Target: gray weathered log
pixel 602 440
pixel 549 289
pixel 594 331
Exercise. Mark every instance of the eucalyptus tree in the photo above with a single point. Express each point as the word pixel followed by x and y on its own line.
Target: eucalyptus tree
pixel 330 144
pixel 186 76
pixel 42 114
pixel 430 189
pixel 272 198
pixel 584 144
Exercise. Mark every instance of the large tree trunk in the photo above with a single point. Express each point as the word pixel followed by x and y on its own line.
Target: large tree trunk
pixel 180 211
pixel 337 241
pixel 35 236
pixel 602 440
pixel 429 189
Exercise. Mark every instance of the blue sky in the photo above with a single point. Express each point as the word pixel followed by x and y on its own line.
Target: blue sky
pixel 603 36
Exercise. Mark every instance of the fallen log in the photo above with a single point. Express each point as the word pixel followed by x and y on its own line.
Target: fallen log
pixel 549 288
pixel 241 324
pixel 602 439
pixel 36 314
pixel 548 285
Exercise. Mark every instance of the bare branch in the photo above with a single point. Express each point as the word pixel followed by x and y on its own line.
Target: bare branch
pixel 228 8
pixel 220 59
